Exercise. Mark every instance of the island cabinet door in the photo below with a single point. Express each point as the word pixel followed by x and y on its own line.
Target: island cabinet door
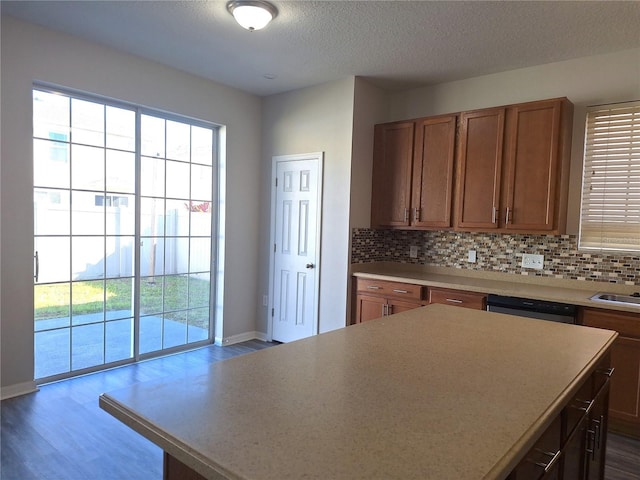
pixel 543 460
pixel 574 465
pixel 596 438
pixel 174 469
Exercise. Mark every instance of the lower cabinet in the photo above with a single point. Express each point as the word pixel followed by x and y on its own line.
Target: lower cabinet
pixel 574 445
pixel 375 298
pixel 379 298
pixel 624 405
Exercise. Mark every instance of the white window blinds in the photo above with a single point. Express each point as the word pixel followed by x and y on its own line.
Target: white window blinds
pixel 610 214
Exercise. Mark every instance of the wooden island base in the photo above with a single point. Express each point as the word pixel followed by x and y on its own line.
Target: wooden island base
pixel 438 392
pixel 174 469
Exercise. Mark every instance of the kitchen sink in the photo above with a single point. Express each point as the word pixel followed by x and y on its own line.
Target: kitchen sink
pixel 633 299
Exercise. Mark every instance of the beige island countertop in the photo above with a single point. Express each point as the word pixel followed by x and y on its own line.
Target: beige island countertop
pixel 434 393
pixel 574 292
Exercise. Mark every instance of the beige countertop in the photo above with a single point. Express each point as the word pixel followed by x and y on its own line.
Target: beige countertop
pixel 574 292
pixel 438 392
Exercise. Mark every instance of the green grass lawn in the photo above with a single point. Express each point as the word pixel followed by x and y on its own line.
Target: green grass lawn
pixel 157 294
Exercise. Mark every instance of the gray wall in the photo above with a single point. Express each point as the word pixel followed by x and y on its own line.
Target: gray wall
pixel 31 53
pixel 315 119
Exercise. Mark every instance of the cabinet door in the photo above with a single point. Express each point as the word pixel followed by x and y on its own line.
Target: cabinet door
pixel 574 463
pixel 398 306
pixel 542 461
pixel 624 404
pixel 624 401
pixel 433 172
pixel 391 186
pixel 596 438
pixel 480 150
pixel 531 164
pixel 369 308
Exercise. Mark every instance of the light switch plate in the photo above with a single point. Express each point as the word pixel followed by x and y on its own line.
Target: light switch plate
pixel 472 256
pixel 413 251
pixel 530 260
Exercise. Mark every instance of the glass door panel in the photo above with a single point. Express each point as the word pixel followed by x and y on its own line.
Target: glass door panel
pixel 84 233
pixel 176 230
pixel 91 242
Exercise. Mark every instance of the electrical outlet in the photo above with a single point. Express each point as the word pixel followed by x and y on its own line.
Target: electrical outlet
pixel 530 260
pixel 413 251
pixel 472 256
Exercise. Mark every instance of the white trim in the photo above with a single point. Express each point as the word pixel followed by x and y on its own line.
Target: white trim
pixel 319 158
pixel 241 337
pixel 18 389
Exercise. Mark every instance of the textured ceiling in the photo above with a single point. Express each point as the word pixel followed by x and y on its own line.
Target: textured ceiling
pixel 395 44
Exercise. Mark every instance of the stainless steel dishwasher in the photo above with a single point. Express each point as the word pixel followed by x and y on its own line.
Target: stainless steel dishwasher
pixel 526 307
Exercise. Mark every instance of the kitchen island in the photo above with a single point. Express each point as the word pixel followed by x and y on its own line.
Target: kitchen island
pixel 438 392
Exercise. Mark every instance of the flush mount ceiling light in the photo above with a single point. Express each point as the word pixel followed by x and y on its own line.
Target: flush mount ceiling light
pixel 252 14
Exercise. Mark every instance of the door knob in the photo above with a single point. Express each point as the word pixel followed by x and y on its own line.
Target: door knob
pixel 310 265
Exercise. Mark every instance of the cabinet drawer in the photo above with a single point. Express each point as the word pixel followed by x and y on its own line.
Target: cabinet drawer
pixel 390 289
pixel 627 324
pixel 458 298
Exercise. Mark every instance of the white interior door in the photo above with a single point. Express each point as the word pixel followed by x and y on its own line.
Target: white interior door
pixel 296 236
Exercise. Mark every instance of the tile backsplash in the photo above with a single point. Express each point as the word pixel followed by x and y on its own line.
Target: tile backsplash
pixel 495 252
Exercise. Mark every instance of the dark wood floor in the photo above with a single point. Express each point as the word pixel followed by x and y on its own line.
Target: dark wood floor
pixel 60 433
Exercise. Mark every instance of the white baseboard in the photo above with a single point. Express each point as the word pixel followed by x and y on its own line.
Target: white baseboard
pixel 242 337
pixel 18 389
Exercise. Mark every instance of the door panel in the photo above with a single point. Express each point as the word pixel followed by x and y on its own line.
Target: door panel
pixel 369 308
pixel 433 172
pixel 625 383
pixel 393 157
pixel 531 162
pixel 481 145
pixel 295 273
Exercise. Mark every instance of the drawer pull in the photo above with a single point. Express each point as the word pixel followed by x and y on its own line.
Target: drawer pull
pixel 606 372
pixel 454 300
pixel 396 290
pixel 587 408
pixel 373 287
pixel 548 466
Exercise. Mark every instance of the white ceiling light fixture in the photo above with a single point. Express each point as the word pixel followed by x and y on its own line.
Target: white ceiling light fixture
pixel 252 14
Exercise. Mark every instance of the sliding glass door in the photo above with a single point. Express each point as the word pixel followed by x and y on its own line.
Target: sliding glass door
pixel 123 228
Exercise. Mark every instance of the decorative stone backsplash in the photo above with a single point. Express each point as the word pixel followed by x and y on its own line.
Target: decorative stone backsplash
pixel 495 252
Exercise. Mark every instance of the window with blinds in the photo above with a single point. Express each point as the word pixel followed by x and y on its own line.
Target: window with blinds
pixel 610 213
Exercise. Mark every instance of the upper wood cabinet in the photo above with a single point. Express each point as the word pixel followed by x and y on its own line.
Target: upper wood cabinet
pixel 392 161
pixel 513 167
pixel 480 168
pixel 413 173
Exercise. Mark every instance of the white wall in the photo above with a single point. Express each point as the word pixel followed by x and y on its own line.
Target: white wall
pixel 315 119
pixel 31 53
pixel 585 81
